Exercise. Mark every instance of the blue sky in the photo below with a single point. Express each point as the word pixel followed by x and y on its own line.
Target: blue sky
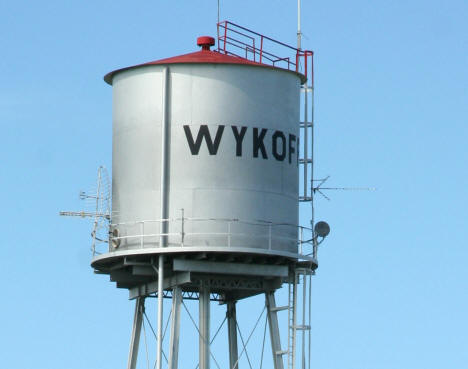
pixel 391 112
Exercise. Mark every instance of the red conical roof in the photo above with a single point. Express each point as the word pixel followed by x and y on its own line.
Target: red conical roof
pixel 204 56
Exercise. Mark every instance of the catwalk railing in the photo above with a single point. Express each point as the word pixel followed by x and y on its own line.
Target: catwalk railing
pixel 224 233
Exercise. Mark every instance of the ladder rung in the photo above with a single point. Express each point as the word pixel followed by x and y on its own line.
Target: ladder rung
pixel 279 308
pixel 302 161
pixel 302 327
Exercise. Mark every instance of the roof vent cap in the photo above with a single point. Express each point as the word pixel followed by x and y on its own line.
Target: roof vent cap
pixel 205 42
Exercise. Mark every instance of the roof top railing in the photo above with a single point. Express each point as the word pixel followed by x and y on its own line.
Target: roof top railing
pixel 242 42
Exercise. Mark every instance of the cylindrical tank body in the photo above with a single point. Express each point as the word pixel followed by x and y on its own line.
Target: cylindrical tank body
pixel 232 155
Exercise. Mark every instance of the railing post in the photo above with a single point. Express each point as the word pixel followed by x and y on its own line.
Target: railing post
pixel 269 236
pixel 312 68
pixel 254 49
pixel 182 234
pixel 261 48
pixel 301 240
pixel 225 35
pixel 305 66
pixel 142 232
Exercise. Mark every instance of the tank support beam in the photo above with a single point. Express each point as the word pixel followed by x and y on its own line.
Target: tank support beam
pixel 232 334
pixel 136 332
pixel 175 328
pixel 274 330
pixel 204 326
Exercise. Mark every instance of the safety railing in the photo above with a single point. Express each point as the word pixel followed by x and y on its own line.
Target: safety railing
pixel 242 42
pixel 189 232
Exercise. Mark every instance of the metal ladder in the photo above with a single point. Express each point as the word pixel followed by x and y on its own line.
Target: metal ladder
pixel 307 133
pixel 307 161
pixel 292 317
pixel 299 275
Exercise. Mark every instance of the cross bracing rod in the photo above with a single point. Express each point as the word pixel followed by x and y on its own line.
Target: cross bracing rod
pixel 198 330
pixel 188 295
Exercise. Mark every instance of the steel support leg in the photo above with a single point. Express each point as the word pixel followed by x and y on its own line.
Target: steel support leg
pixel 160 312
pixel 274 330
pixel 204 327
pixel 136 331
pixel 175 328
pixel 232 335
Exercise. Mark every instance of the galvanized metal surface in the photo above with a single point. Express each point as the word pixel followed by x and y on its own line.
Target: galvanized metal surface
pixel 254 178
pixel 230 268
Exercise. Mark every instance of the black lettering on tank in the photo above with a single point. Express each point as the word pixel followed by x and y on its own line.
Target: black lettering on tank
pixel 297 156
pixel 239 136
pixel 203 133
pixel 279 135
pixel 258 143
pixel 292 149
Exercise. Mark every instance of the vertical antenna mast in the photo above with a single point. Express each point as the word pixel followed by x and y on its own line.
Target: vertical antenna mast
pixel 299 34
pixel 217 25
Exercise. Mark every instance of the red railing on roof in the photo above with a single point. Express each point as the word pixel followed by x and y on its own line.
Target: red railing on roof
pixel 242 42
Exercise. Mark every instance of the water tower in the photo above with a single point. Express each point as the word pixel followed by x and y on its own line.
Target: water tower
pixel 208 152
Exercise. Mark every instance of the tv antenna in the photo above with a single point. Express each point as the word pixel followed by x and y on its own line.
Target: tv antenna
pixel 99 203
pixel 319 188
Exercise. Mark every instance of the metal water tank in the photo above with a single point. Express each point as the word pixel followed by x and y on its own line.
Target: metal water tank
pixel 205 156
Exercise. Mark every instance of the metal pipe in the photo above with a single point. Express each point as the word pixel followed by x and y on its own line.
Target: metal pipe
pixel 217 26
pixel 160 312
pixel 164 210
pixel 164 158
pixel 299 34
